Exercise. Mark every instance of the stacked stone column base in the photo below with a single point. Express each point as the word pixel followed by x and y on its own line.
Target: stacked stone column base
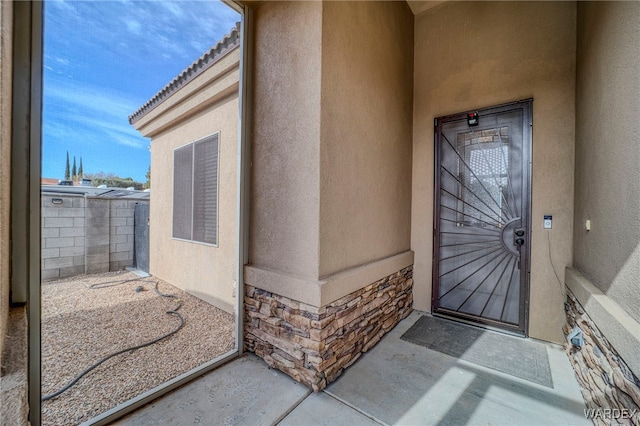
pixel 610 389
pixel 315 344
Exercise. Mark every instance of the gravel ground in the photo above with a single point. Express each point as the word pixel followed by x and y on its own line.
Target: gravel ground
pixel 80 325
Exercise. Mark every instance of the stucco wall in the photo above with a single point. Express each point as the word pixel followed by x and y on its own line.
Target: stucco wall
pixel 285 143
pixel 331 150
pixel 206 105
pixel 608 150
pixel 203 270
pixel 6 28
pixel 476 54
pixel 365 148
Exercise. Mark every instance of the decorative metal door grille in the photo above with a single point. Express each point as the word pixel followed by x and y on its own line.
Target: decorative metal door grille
pixel 481 240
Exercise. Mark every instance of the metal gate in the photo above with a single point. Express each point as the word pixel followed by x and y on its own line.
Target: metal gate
pixel 482 216
pixel 141 236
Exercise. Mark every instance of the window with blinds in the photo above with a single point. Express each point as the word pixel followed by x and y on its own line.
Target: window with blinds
pixel 195 191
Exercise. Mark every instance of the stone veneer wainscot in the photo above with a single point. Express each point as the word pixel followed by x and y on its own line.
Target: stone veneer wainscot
pixel 605 380
pixel 314 345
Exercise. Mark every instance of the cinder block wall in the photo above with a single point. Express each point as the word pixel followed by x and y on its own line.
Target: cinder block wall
pixel 86 235
pixel 63 235
pixel 121 233
pixel 96 250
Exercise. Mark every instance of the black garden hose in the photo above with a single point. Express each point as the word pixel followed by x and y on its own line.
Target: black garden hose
pixel 112 283
pixel 133 348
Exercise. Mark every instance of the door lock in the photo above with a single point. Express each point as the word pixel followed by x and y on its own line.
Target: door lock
pixel 518 237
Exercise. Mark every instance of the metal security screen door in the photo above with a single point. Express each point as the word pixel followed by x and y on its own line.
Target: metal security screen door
pixel 481 216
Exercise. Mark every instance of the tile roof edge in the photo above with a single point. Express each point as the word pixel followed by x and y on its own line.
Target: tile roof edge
pixel 227 44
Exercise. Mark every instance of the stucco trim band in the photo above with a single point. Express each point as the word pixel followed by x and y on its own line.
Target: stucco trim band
pixel 215 88
pixel 616 325
pixel 329 289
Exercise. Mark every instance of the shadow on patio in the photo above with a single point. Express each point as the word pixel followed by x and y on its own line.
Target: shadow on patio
pixel 396 382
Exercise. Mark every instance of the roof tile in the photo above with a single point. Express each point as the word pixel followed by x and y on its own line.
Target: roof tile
pixel 210 57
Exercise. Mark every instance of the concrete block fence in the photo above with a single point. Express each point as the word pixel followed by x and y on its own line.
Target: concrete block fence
pixel 83 234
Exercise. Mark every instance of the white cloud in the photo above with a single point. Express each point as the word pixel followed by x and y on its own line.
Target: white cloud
pixel 202 47
pixel 91 112
pixel 132 25
pixel 126 40
pixel 103 100
pixel 92 129
pixel 172 8
pixel 68 7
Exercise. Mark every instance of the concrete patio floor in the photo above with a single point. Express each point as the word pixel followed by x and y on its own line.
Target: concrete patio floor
pixel 396 382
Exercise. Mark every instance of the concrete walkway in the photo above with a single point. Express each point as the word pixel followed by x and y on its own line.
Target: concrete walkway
pixel 396 382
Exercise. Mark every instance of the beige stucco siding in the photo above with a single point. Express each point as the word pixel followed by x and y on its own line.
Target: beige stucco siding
pixel 365 151
pixel 476 54
pixel 285 139
pixel 6 29
pixel 206 105
pixel 331 147
pixel 203 270
pixel 608 150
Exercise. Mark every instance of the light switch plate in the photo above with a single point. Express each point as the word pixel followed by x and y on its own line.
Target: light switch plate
pixel 546 223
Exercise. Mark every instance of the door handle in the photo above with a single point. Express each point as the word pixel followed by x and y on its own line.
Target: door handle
pixel 518 237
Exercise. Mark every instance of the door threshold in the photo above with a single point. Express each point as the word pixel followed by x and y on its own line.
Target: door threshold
pixel 480 325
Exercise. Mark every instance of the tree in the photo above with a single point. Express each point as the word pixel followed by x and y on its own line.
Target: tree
pixel 147 184
pixel 111 180
pixel 74 173
pixel 67 173
pixel 80 174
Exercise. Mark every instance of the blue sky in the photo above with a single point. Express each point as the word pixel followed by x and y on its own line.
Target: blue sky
pixel 102 61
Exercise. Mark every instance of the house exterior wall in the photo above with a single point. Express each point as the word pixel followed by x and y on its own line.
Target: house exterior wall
pixel 608 151
pixel 285 175
pixel 203 270
pixel 330 195
pixel 475 54
pixel 329 260
pixel 205 105
pixel 14 407
pixel 315 345
pixel 6 41
pixel 605 276
pixel 365 149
